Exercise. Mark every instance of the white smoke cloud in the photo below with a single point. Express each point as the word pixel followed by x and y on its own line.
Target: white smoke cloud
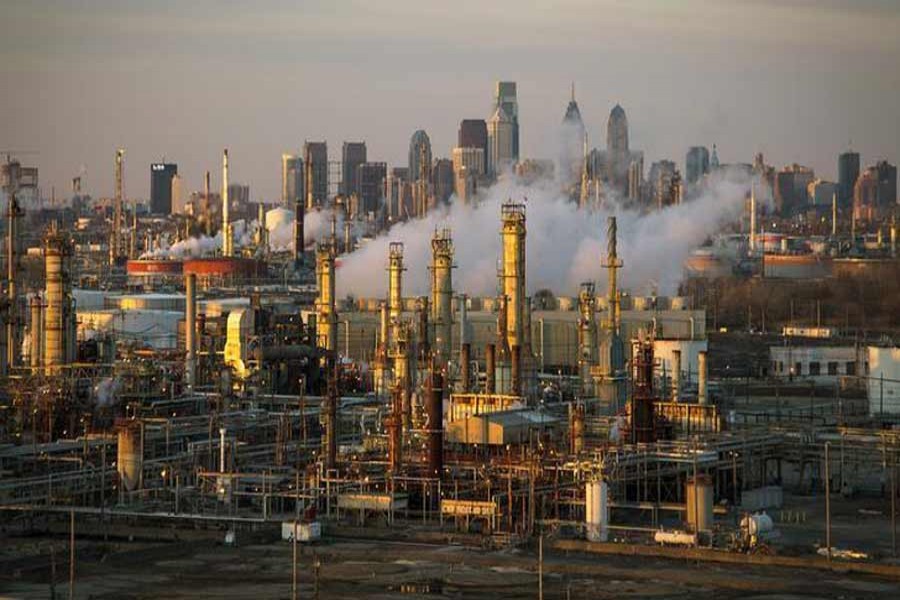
pixel 279 224
pixel 565 245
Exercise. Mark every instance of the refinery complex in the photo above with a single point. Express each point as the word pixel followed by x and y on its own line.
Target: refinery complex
pixel 319 394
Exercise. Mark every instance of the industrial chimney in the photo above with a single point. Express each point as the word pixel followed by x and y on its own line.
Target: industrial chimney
pixel 227 241
pixel 442 295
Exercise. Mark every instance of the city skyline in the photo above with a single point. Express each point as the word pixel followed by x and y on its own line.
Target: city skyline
pixel 152 80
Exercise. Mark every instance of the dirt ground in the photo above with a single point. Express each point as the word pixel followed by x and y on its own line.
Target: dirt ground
pixel 379 569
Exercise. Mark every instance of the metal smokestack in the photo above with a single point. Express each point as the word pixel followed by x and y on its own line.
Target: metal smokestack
pixel 36 331
pixel 490 369
pixel 442 295
pixel 206 199
pixel 190 330
pixel 676 375
pixel 702 397
pixel 114 238
pixel 834 215
pixel 752 239
pixel 227 248
pixel 13 212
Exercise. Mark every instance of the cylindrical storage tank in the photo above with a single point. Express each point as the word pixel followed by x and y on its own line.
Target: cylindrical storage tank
pixel 130 457
pixel 488 304
pixel 699 503
pixel 54 317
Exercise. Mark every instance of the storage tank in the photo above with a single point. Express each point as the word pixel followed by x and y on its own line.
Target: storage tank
pixel 596 502
pixel 699 503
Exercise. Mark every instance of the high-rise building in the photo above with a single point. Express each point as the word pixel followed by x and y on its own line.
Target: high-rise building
pixel 470 158
pixel 239 202
pixel 161 175
pixel 291 180
pixel 501 149
pixel 177 198
pixel 397 193
pixel 419 151
pixel 875 192
pixel 370 178
pixel 792 188
pixel 573 147
pixel 662 178
pixel 696 164
pixel 473 134
pixel 618 156
pixel 353 154
pixel 848 173
pixel 442 180
pixel 315 159
pixel 465 185
pixel 506 97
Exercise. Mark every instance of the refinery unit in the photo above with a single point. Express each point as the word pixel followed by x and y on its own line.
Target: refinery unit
pixel 235 393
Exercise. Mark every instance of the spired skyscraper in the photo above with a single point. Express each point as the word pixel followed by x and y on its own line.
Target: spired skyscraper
pixel 572 146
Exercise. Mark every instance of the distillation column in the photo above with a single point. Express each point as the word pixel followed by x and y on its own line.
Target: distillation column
pixel 442 296
pixel 395 289
pixel 611 376
pixel 36 331
pixel 12 317
pixel 513 235
pixel 57 250
pixel 752 237
pixel 587 334
pixel 326 313
pixel 227 238
pixel 299 223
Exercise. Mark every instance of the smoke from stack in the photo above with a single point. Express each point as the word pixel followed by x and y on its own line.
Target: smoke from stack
pixel 565 243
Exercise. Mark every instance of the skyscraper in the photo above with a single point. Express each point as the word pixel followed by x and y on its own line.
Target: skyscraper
pixel 419 149
pixel 161 175
pixel 473 134
pixel 618 157
pixel 696 164
pixel 848 173
pixel 353 154
pixel 442 180
pixel 315 159
pixel 506 97
pixel 501 148
pixel 470 158
pixel 370 178
pixel 573 147
pixel 291 179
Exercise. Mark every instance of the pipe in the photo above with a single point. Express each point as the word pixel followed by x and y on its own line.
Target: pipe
pixel 190 329
pixel 221 450
pixel 676 375
pixel 435 410
pixel 702 397
pixel 463 319
pixel 490 368
pixel 834 215
pixel 465 360
pixel 516 370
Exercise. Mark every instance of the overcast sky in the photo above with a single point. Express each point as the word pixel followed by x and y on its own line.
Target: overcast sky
pixel 795 79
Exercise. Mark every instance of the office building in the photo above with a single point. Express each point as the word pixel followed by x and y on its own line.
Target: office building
pixel 501 153
pixel 315 160
pixel 470 158
pixel 419 156
pixel 353 154
pixel 848 173
pixel 291 180
pixel 473 134
pixel 442 180
pixel 161 175
pixel 696 164
pixel 370 178
pixel 507 98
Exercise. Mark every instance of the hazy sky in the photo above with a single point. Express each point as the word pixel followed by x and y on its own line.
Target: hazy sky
pixel 795 79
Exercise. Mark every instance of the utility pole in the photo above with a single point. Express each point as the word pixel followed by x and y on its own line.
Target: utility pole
pixel 294 562
pixel 894 503
pixel 72 555
pixel 827 502
pixel 541 567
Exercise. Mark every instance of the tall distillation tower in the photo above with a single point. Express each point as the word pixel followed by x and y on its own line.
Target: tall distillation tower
pixel 442 295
